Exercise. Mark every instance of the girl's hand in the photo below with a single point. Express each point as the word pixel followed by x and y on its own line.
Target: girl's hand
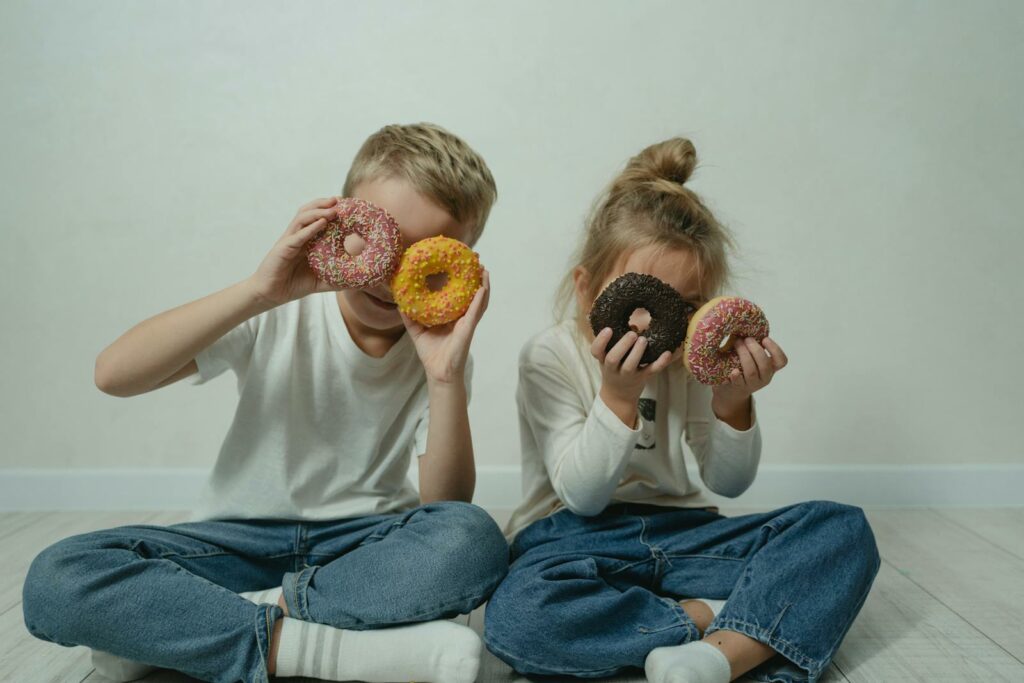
pixel 759 364
pixel 622 378
pixel 284 274
pixel 443 349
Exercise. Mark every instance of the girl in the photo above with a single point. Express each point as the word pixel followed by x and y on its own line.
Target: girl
pixel 618 561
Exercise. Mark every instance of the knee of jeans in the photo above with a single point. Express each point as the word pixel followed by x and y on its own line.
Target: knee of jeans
pixel 847 524
pixel 532 635
pixel 472 540
pixel 51 595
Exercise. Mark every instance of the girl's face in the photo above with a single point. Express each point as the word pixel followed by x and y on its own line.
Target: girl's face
pixel 676 267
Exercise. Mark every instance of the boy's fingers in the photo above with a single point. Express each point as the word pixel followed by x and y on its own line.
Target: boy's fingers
pixel 321 203
pixel 306 217
pixel 305 234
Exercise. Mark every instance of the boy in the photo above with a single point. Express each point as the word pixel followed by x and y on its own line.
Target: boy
pixel 309 495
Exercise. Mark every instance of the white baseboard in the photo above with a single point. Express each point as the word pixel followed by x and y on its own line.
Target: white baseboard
pixel 498 487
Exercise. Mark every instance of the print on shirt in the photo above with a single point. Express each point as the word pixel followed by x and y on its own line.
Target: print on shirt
pixel 646 407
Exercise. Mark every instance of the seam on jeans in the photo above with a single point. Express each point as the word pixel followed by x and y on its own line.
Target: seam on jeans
pixel 629 565
pixel 301 584
pixel 782 613
pixel 856 610
pixel 643 531
pixel 780 645
pixel 682 620
pixel 707 556
pixel 194 556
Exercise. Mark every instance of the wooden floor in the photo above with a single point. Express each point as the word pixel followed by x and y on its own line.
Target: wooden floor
pixel 948 603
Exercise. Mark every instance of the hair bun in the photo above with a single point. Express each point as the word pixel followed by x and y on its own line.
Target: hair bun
pixel 673 160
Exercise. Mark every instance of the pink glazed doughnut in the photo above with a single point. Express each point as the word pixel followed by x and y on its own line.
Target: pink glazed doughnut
pixel 713 329
pixel 375 264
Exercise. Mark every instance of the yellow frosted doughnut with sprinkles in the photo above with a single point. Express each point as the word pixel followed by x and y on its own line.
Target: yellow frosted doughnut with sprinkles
pixel 436 256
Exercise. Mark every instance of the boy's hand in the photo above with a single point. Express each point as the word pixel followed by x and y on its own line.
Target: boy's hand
pixel 622 378
pixel 443 349
pixel 284 274
pixel 759 364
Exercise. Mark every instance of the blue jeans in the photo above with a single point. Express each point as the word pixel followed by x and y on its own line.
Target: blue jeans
pixel 168 596
pixel 592 596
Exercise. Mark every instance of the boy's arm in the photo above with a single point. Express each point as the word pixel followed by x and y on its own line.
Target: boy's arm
pixel 447 470
pixel 162 349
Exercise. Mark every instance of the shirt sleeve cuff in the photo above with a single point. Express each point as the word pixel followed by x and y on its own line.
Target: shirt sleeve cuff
pixel 611 421
pixel 726 428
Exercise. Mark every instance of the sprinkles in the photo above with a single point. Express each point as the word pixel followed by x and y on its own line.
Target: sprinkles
pixel 376 263
pixel 435 256
pixel 709 353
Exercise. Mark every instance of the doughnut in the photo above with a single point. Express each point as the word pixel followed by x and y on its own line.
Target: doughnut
pixel 434 256
pixel 631 291
pixel 378 260
pixel 713 329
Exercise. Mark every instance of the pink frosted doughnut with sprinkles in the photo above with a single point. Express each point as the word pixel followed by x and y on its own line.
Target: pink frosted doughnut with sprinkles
pixel 436 256
pixel 713 329
pixel 375 264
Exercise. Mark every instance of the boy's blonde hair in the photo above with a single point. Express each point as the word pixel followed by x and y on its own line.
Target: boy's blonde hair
pixel 647 204
pixel 438 164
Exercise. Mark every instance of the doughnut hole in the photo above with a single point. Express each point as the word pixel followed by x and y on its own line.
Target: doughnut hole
pixel 640 320
pixel 437 281
pixel 354 244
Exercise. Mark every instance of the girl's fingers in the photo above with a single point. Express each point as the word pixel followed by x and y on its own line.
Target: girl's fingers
pixel 747 362
pixel 736 378
pixel 661 363
pixel 600 344
pixel 760 356
pixel 632 361
pixel 779 359
pixel 620 349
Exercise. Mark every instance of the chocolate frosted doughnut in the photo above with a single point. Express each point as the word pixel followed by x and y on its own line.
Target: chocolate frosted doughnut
pixel 631 291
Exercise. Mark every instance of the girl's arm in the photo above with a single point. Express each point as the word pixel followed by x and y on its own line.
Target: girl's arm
pixel 726 438
pixel 585 448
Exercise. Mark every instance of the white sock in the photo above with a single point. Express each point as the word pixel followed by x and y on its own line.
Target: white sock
pixel 696 662
pixel 117 668
pixel 269 595
pixel 715 605
pixel 433 651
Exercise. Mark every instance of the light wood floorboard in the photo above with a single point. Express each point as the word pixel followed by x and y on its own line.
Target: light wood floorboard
pixel 947 605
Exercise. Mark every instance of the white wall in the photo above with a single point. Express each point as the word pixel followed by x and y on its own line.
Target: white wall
pixel 869 156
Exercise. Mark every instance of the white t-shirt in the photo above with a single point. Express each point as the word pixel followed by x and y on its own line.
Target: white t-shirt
pixel 322 430
pixel 578 454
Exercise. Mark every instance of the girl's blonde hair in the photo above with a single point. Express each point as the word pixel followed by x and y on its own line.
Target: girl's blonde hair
pixel 649 205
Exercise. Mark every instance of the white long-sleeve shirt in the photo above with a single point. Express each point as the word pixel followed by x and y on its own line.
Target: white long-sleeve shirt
pixel 577 453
